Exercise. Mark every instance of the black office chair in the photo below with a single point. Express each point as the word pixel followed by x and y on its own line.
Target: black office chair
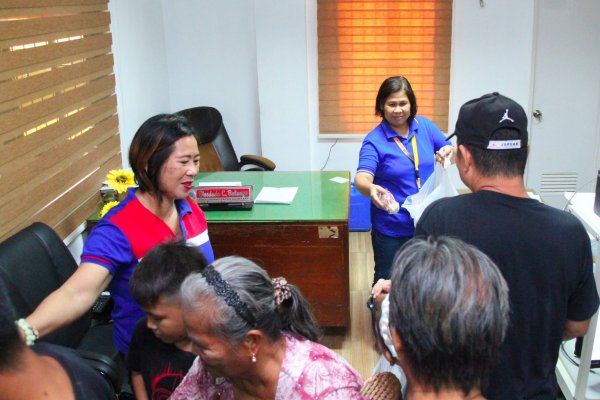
pixel 33 263
pixel 216 150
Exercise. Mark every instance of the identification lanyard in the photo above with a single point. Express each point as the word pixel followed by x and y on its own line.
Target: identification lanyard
pixel 414 159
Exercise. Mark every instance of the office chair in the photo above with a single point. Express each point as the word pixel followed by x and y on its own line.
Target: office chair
pixel 216 150
pixel 33 263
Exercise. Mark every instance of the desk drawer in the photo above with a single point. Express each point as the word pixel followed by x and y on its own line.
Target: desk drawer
pixel 314 257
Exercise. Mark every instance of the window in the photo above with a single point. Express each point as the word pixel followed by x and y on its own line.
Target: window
pixel 361 43
pixel 58 123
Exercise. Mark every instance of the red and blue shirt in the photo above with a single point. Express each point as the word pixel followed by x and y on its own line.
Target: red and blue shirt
pixel 121 239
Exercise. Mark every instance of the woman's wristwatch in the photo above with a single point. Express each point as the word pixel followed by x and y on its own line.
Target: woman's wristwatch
pixel 31 334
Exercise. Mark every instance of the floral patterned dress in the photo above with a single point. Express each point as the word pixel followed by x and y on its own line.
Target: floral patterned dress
pixel 309 371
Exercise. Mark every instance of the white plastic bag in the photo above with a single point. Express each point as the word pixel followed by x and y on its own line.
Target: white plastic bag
pixel 436 187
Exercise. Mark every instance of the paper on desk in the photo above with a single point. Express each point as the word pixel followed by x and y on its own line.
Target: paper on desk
pixel 203 184
pixel 339 179
pixel 273 195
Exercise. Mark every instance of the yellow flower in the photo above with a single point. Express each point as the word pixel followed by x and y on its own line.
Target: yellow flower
pixel 107 207
pixel 120 180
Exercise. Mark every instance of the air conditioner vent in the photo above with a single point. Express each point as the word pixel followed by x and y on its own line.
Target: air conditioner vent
pixel 557 183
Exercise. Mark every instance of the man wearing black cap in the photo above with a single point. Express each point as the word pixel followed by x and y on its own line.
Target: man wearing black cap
pixel 543 253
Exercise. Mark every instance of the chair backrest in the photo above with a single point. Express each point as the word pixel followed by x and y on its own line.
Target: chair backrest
pixel 33 263
pixel 216 150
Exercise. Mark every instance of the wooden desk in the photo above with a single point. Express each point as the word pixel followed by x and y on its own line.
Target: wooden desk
pixel 306 241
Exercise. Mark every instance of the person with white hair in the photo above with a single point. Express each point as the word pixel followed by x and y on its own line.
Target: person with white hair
pixel 256 338
pixel 448 317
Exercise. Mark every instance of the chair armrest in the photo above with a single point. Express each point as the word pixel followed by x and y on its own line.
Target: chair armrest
pixel 108 368
pixel 102 308
pixel 98 348
pixel 260 163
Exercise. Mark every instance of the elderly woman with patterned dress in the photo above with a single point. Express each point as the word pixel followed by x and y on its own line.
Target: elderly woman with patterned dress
pixel 256 339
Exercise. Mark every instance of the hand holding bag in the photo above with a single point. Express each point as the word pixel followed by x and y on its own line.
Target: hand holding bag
pixel 436 187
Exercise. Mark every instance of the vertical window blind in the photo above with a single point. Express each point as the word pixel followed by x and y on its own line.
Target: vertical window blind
pixel 361 43
pixel 58 119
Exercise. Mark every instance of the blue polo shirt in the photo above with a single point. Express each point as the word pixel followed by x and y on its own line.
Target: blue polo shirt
pixel 123 237
pixel 381 157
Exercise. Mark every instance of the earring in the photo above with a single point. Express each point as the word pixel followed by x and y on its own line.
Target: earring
pixel 253 358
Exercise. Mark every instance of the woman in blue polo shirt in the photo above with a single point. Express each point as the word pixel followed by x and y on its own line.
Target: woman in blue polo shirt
pixel 397 156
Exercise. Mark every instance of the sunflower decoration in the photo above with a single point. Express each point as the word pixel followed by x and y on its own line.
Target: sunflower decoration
pixel 115 188
pixel 120 180
pixel 107 207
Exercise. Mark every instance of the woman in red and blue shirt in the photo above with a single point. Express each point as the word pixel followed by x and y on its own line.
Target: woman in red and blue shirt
pixel 164 157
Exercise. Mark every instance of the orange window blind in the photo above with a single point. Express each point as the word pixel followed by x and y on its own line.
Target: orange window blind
pixel 58 118
pixel 361 43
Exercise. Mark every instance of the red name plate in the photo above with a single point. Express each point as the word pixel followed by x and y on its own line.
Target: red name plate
pixel 222 194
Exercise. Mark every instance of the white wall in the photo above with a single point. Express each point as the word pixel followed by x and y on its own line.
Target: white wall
pixel 492 51
pixel 283 83
pixel 256 62
pixel 211 54
pixel 140 64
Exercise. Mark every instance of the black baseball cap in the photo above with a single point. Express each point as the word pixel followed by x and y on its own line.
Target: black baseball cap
pixel 478 119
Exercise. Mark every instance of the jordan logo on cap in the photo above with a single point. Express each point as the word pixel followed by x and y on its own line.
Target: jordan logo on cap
pixel 506 117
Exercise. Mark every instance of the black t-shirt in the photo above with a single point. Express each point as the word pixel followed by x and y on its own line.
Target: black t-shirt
pixel 87 382
pixel 545 257
pixel 161 365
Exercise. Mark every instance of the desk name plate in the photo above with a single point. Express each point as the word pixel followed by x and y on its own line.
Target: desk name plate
pixel 223 197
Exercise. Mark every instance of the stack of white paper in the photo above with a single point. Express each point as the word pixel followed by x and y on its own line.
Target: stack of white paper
pixel 273 195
